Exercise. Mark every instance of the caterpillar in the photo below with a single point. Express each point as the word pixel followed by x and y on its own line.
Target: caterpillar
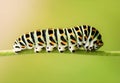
pixel 77 37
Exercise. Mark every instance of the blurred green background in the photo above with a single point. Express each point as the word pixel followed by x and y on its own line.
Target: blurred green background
pixel 21 16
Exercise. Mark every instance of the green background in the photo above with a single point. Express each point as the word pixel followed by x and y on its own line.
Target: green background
pixel 21 16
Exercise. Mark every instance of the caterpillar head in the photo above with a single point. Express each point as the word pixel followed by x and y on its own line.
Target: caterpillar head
pixel 98 44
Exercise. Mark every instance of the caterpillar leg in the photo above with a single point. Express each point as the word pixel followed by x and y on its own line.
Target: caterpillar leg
pixel 61 49
pixel 92 45
pixel 72 48
pixel 37 49
pixel 89 46
pixel 49 48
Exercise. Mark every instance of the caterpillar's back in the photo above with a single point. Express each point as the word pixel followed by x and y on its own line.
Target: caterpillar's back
pixel 84 36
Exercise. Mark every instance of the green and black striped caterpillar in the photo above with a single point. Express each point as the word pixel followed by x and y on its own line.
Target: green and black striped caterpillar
pixel 84 36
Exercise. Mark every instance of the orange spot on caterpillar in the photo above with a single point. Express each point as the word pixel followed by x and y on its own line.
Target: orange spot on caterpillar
pixel 71 33
pixel 62 34
pixel 30 44
pixel 80 37
pixel 78 30
pixel 39 36
pixel 22 46
pixel 52 43
pixel 28 38
pixel 41 43
pixel 86 29
pixel 73 40
pixel 51 34
pixel 63 43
